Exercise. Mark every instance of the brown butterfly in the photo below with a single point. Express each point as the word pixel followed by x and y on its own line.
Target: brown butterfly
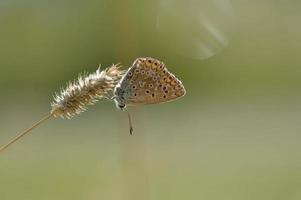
pixel 147 81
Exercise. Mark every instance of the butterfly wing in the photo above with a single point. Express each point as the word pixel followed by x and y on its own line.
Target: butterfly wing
pixel 149 82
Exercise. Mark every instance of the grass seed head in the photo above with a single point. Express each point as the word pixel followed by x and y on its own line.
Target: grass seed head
pixel 84 91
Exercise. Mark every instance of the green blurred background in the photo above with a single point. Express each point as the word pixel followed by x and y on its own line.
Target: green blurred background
pixel 235 135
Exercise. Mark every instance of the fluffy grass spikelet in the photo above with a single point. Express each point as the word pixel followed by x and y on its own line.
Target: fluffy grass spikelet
pixel 75 98
pixel 84 91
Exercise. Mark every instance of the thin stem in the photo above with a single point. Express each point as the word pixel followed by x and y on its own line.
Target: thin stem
pixel 20 135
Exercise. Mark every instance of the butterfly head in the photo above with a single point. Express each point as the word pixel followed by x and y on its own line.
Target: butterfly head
pixel 119 97
pixel 119 100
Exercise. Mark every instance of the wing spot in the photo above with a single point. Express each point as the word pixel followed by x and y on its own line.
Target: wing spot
pixel 155 65
pixel 147 91
pixel 141 84
pixel 179 93
pixel 153 95
pixel 169 79
pixel 178 87
pixel 173 82
pixel 134 87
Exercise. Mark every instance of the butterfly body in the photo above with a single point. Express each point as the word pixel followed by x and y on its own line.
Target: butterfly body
pixel 147 81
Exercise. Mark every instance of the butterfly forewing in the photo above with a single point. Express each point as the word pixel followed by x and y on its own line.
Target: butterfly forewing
pixel 149 82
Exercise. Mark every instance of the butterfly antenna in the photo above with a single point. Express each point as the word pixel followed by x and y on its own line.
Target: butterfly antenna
pixel 20 135
pixel 130 121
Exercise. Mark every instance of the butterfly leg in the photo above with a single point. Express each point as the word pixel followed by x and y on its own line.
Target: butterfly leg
pixel 130 121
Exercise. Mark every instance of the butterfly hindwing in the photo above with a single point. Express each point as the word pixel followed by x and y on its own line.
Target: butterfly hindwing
pixel 149 82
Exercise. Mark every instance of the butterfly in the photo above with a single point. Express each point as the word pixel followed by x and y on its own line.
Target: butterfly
pixel 147 81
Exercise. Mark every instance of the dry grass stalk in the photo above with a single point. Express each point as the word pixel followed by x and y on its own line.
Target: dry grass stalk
pixel 75 98
pixel 86 90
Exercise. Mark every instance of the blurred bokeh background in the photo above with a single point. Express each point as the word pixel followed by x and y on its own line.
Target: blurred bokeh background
pixel 235 135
